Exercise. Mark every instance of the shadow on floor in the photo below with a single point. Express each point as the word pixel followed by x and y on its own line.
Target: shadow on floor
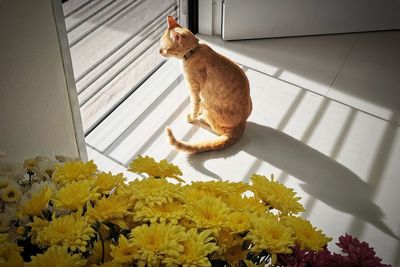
pixel 322 177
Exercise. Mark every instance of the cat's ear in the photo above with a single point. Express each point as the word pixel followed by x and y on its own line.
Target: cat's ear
pixel 175 36
pixel 172 23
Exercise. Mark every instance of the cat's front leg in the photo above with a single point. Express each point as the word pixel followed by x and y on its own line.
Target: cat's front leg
pixel 189 118
pixel 195 108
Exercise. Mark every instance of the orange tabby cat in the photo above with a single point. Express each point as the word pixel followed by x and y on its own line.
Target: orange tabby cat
pixel 219 89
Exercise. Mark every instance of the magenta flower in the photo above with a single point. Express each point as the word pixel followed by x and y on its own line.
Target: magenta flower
pixel 358 253
pixel 298 258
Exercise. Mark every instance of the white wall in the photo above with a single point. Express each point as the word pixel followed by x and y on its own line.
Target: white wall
pixel 36 114
pixel 210 17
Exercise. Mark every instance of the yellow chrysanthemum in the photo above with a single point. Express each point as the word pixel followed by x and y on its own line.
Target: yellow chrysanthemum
pixel 152 191
pixel 75 195
pixel 167 212
pixel 37 226
pixel 267 233
pixel 100 252
pixel 306 235
pixel 226 240
pixel 105 182
pixel 74 171
pixel 4 238
pixel 246 204
pixel 72 231
pixel 221 189
pixel 38 202
pixel 156 242
pixel 10 255
pixel 209 212
pixel 192 194
pixel 276 195
pixel 196 247
pixel 124 252
pixel 126 193
pixel 56 256
pixel 108 209
pixel 11 193
pixel 238 221
pixel 162 169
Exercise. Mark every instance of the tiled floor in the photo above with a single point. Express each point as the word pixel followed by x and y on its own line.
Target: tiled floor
pixel 325 122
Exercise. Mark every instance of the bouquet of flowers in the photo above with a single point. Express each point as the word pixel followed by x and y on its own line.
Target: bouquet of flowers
pixel 66 212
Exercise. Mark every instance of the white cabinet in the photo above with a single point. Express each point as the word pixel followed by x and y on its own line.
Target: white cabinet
pixel 280 18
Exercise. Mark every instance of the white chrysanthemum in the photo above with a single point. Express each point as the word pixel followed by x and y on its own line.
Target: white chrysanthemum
pixel 13 171
pixel 11 194
pixel 5 181
pixel 46 165
pixel 37 187
pixel 6 220
pixel 41 167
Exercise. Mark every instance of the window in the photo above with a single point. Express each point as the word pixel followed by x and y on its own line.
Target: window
pixel 114 48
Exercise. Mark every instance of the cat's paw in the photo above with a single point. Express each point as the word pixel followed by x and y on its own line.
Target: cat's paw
pixel 190 119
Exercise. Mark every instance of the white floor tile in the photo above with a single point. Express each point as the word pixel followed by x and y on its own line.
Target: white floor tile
pixel 309 62
pixel 370 80
pixel 107 164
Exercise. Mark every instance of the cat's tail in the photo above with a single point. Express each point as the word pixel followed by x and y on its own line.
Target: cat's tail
pixel 219 143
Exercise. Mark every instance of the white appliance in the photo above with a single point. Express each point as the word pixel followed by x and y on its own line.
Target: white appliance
pixel 249 19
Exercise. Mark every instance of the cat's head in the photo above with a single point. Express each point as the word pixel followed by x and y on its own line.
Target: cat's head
pixel 176 40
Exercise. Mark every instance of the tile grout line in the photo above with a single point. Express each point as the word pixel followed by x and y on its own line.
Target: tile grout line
pixel 324 96
pixel 397 124
pixel 105 155
pixel 344 62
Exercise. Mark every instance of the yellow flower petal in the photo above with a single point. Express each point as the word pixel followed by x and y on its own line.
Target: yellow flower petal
pixel 75 195
pixel 209 212
pixel 157 241
pixel 124 252
pixel 267 233
pixel 58 254
pixel 38 202
pixel 74 171
pixel 162 169
pixel 276 195
pixel 72 231
pixel 307 236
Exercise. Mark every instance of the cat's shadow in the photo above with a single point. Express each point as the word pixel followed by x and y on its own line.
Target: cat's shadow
pixel 323 178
